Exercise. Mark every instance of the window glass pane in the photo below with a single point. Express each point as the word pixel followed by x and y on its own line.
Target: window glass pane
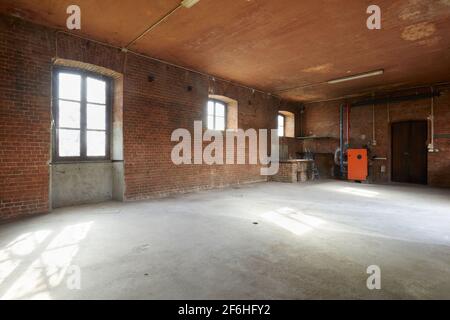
pixel 69 114
pixel 96 143
pixel 69 143
pixel 220 109
pixel 69 86
pixel 211 122
pixel 280 126
pixel 280 121
pixel 210 108
pixel 220 123
pixel 96 91
pixel 96 117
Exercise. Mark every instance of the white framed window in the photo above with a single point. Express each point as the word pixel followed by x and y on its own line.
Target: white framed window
pixel 216 115
pixel 81 111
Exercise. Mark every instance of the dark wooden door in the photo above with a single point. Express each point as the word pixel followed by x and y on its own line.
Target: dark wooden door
pixel 409 152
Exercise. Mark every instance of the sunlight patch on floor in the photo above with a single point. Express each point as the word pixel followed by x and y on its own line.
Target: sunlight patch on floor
pixel 50 267
pixel 292 220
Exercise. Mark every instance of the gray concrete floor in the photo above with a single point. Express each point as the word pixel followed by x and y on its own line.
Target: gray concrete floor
pixel 312 240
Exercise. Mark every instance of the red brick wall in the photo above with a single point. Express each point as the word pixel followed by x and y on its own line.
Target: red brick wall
pixel 439 171
pixel 322 119
pixel 287 172
pixel 24 118
pixel 152 110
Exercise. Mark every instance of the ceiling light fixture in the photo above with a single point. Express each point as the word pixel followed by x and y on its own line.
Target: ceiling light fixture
pixel 189 3
pixel 357 76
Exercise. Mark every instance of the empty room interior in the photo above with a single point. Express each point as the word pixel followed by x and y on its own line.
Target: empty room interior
pixel 207 149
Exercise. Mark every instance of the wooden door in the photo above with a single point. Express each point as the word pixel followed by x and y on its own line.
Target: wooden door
pixel 409 152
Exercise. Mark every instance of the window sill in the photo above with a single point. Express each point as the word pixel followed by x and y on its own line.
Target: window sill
pixel 59 162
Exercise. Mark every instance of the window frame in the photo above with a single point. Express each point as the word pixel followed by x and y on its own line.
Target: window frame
pixel 83 157
pixel 284 124
pixel 225 114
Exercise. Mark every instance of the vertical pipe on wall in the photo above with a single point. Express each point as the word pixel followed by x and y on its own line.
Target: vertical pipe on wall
pixel 388 112
pixel 347 144
pixel 431 146
pixel 302 111
pixel 374 138
pixel 301 123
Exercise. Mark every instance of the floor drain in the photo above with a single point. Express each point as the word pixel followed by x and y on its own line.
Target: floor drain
pixel 255 222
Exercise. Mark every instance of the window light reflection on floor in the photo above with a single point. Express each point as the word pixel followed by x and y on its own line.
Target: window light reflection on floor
pixel 293 221
pixel 359 192
pixel 48 269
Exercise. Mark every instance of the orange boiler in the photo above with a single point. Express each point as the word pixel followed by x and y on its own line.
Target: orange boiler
pixel 357 164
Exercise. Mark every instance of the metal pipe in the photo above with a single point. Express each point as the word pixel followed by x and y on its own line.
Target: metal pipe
pixel 354 96
pixel 431 146
pixel 348 126
pixel 154 25
pixel 395 99
pixel 388 112
pixel 374 138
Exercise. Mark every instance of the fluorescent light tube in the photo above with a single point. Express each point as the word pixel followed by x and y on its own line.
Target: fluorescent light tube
pixel 357 76
pixel 189 3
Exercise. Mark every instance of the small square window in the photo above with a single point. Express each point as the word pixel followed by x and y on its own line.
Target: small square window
pixel 69 143
pixel 96 91
pixel 96 117
pixel 69 86
pixel 69 114
pixel 96 144
pixel 220 110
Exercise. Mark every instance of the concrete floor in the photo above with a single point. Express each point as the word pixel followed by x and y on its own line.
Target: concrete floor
pixel 312 240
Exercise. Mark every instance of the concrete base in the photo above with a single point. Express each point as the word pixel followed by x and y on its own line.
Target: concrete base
pixel 83 183
pixel 312 240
